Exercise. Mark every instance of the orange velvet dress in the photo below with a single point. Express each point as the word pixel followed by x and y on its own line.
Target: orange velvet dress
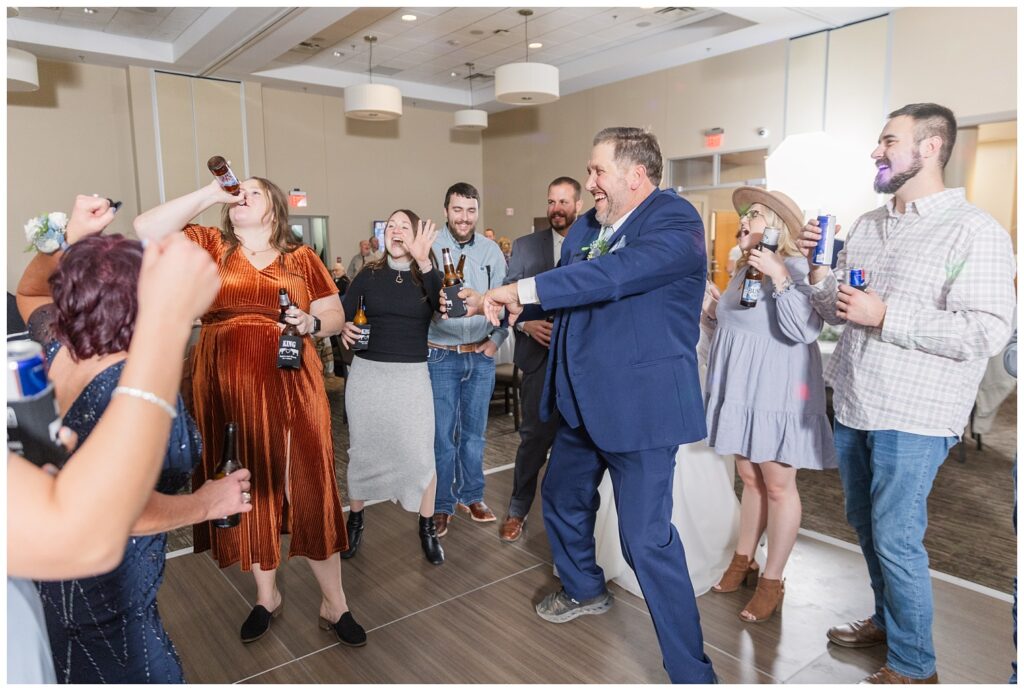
pixel 284 421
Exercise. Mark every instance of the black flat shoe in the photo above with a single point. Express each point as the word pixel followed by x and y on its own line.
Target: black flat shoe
pixel 354 528
pixel 258 622
pixel 429 541
pixel 347 629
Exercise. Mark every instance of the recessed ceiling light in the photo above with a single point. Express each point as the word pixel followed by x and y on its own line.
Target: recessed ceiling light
pixel 536 44
pixel 88 10
pixel 642 25
pixel 337 53
pixel 452 42
pixel 408 17
pixel 476 32
pixel 455 74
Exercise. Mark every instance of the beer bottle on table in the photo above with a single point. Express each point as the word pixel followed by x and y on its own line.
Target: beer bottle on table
pixel 752 290
pixel 360 320
pixel 455 306
pixel 289 347
pixel 229 464
pixel 218 165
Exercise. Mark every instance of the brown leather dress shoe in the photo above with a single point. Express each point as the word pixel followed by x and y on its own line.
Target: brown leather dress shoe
pixel 857 634
pixel 887 676
pixel 441 523
pixel 478 511
pixel 512 529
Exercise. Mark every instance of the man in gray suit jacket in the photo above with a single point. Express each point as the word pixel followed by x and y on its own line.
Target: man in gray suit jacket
pixel 531 255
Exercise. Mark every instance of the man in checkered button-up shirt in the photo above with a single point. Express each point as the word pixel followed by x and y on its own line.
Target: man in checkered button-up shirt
pixel 906 369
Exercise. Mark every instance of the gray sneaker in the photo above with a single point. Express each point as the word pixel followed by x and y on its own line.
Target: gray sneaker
pixel 560 608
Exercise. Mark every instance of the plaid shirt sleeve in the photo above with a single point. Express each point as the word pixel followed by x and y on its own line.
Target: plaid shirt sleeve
pixel 978 317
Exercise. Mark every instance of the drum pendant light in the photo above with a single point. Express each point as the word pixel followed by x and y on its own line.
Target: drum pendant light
pixel 471 118
pixel 526 83
pixel 372 101
pixel 22 70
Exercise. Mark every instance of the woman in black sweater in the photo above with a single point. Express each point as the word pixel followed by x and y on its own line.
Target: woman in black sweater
pixel 389 383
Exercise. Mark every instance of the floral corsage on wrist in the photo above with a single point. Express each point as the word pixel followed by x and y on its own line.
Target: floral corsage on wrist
pixel 46 233
pixel 595 249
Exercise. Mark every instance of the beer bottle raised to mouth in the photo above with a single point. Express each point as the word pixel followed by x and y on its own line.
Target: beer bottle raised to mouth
pixel 752 290
pixel 229 464
pixel 454 305
pixel 289 347
pixel 218 165
pixel 360 320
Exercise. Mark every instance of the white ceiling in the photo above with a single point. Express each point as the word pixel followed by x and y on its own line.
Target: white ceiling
pixel 294 47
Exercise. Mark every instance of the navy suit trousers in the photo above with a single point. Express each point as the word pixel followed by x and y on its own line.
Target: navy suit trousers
pixel 642 484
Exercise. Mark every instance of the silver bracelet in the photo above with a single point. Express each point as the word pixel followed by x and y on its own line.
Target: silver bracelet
pixel 148 397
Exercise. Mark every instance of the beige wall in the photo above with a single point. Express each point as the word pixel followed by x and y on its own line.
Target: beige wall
pixel 72 136
pixel 92 129
pixel 932 58
pixel 963 58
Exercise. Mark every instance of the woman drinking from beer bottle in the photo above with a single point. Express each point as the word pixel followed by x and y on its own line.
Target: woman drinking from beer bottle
pixel 765 397
pixel 271 384
pixel 389 383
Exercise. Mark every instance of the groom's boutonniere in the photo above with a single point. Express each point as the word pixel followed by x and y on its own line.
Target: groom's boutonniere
pixel 595 249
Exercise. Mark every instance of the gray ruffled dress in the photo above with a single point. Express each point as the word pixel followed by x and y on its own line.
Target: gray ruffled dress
pixel 765 394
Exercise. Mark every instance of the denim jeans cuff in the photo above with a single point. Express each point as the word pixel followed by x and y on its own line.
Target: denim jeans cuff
pixel 913 674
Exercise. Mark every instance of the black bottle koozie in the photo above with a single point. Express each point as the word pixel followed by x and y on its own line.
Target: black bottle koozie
pixel 364 338
pixel 32 426
pixel 289 352
pixel 455 305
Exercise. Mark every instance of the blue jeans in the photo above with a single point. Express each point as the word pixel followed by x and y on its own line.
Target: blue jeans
pixel 462 384
pixel 887 476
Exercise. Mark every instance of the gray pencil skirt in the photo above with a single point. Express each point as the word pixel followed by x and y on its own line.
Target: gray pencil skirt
pixel 390 407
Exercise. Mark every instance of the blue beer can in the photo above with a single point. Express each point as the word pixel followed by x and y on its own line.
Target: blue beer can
pixel 26 372
pixel 824 250
pixel 858 279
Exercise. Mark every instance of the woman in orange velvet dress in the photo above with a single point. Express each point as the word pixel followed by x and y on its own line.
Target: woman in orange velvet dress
pixel 284 422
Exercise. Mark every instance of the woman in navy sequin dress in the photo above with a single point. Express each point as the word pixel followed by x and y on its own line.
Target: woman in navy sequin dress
pixel 107 629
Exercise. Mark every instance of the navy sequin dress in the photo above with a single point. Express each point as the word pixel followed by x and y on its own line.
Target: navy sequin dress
pixel 106 629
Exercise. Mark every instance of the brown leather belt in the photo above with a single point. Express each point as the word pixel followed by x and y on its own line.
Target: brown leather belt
pixel 461 348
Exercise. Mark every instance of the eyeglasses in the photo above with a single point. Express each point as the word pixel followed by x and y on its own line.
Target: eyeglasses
pixel 752 214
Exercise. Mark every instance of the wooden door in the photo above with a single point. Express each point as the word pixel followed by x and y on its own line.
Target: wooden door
pixel 724 225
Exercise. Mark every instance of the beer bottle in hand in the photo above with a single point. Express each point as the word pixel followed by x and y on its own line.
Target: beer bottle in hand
pixel 363 323
pixel 460 267
pixel 218 165
pixel 289 347
pixel 752 291
pixel 455 306
pixel 229 464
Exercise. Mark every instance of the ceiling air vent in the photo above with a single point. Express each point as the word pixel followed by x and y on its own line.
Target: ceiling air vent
pixel 386 71
pixel 479 75
pixel 309 47
pixel 676 11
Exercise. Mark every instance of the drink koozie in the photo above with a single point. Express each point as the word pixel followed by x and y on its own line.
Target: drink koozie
pixel 455 305
pixel 289 352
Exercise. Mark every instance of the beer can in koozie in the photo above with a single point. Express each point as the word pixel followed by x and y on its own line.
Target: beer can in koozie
pixel 858 279
pixel 826 246
pixel 32 416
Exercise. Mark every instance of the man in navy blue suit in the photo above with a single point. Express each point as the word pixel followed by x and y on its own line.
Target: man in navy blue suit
pixel 623 374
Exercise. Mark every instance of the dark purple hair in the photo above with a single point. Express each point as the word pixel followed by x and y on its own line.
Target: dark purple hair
pixel 95 290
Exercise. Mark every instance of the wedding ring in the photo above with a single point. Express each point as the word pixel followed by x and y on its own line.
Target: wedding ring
pixel 246 498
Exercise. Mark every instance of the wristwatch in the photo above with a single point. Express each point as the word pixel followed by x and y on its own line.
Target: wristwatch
pixel 316 325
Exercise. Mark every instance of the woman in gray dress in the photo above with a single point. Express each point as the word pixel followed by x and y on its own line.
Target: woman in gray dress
pixel 388 397
pixel 765 397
